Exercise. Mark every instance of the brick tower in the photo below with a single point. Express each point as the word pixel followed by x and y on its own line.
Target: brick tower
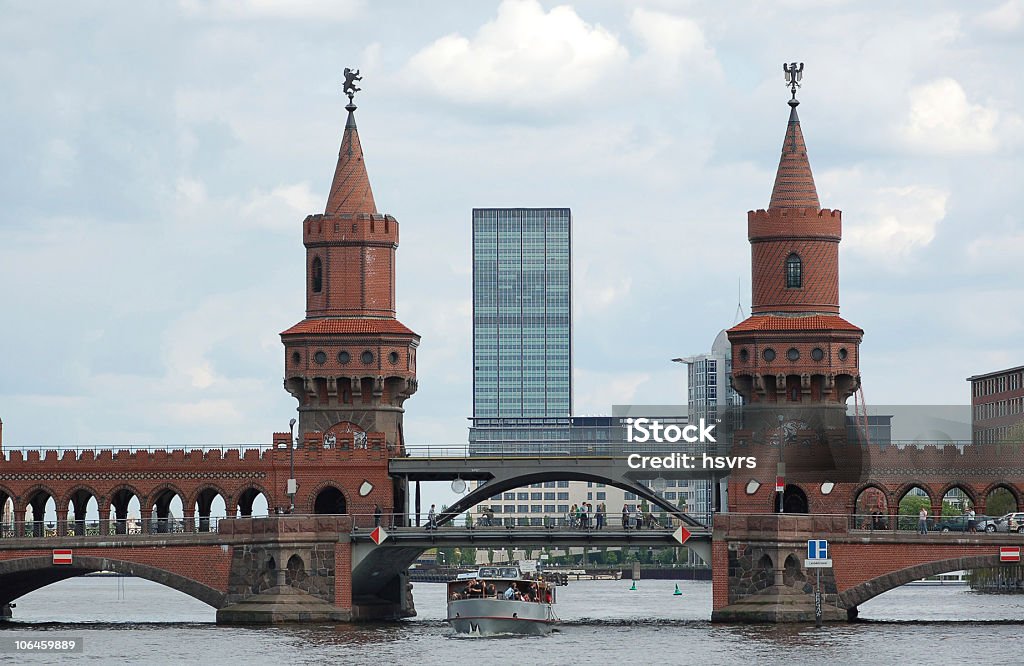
pixel 795 348
pixel 350 363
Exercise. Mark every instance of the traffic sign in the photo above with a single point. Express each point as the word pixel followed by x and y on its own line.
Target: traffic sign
pixel 1009 553
pixel 817 549
pixel 378 535
pixel 818 564
pixel 681 534
pixel 780 484
pixel 62 556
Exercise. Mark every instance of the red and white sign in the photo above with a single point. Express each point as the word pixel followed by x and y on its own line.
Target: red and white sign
pixel 1009 553
pixel 378 535
pixel 62 556
pixel 681 534
pixel 780 484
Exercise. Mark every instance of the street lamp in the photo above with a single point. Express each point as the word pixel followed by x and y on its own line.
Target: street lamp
pixel 291 466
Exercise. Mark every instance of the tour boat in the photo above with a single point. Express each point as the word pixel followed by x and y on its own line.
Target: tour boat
pixel 501 600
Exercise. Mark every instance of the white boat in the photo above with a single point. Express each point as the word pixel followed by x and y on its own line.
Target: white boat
pixel 953 578
pixel 501 600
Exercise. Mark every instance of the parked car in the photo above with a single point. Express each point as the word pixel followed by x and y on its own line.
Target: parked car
pixel 1011 522
pixel 951 524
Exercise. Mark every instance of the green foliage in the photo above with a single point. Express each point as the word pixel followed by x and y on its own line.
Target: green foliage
pixel 467 556
pixel 911 505
pixel 1000 502
pixel 611 557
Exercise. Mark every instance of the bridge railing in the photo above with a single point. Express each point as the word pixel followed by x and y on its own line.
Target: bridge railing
pixel 97 528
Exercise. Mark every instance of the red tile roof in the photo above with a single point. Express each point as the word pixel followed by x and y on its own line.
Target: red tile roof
pixel 329 326
pixel 808 323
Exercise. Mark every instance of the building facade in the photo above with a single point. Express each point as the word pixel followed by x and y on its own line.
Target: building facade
pixel 522 312
pixel 997 406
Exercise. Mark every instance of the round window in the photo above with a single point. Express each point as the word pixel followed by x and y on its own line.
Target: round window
pixel 320 358
pixel 793 354
pixel 744 355
pixel 843 354
pixel 296 358
pixel 817 354
pixel 768 354
pixel 752 486
pixel 367 357
pixel 344 357
pixel 393 358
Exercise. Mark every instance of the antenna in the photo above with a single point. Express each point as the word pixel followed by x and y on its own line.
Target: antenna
pixel 740 316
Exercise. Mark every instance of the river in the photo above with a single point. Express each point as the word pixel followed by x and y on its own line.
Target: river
pixel 133 621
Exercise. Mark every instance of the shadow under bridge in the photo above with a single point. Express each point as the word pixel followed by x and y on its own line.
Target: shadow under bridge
pixel 502 473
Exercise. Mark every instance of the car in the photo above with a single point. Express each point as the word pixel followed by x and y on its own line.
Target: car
pixel 951 524
pixel 1011 522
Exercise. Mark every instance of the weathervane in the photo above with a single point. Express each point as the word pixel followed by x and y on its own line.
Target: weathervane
pixel 794 73
pixel 350 88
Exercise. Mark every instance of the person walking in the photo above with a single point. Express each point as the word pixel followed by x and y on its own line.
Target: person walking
pixel 625 516
pixel 431 517
pixel 922 521
pixel 601 510
pixel 376 515
pixel 972 525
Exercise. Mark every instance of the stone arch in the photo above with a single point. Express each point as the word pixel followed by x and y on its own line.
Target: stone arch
pixel 322 498
pixel 764 576
pixel 794 500
pixel 793 573
pixel 295 571
pixel 867 500
pixel 23 499
pixel 20 576
pixel 120 497
pixel 869 589
pixel 34 498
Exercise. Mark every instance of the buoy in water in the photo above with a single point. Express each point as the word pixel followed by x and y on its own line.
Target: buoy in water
pixel 633 587
pixel 677 593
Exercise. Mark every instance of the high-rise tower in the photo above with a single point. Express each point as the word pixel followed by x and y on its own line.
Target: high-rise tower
pixel 795 347
pixel 350 363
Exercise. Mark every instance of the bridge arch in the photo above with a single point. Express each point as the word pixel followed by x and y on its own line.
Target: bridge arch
pixel 499 485
pixel 328 498
pixel 1004 485
pixel 20 576
pixel 247 495
pixel 963 487
pixel 869 589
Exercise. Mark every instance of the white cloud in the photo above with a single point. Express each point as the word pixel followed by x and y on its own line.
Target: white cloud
pixel 993 251
pixel 672 42
pixel 896 221
pixel 524 57
pixel 229 10
pixel 941 120
pixel 1007 17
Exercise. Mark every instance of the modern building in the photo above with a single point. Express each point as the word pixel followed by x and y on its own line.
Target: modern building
pixel 997 406
pixel 522 312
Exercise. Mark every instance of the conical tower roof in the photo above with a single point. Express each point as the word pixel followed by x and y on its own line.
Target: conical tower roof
pixel 350 189
pixel 794 182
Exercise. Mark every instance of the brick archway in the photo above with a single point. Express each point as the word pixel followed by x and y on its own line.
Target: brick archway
pixel 1006 485
pixel 20 576
pixel 869 589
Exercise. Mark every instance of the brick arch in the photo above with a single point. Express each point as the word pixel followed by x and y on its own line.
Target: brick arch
pixel 329 483
pixel 1002 484
pixel 962 485
pixel 21 502
pixel 193 499
pixel 902 491
pixel 252 485
pixel 890 502
pixel 20 576
pixel 66 499
pixel 151 497
pixel 107 500
pixel 869 589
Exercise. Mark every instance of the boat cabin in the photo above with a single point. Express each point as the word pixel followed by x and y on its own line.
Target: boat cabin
pixel 506 583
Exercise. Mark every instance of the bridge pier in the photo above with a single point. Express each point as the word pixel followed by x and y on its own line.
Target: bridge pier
pixel 5 612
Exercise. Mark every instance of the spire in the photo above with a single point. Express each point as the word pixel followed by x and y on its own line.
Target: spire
pixel 794 182
pixel 350 189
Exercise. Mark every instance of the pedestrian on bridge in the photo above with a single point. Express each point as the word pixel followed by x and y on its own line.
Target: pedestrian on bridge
pixel 376 515
pixel 922 521
pixel 432 518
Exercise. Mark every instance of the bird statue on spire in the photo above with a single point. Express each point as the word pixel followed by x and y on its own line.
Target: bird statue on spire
pixel 794 72
pixel 350 88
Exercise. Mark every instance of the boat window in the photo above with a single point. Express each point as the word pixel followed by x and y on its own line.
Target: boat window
pixel 509 572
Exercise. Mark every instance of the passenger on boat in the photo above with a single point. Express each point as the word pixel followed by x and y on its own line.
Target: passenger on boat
pixel 510 593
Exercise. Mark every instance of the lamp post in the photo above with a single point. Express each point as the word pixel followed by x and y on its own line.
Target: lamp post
pixel 291 466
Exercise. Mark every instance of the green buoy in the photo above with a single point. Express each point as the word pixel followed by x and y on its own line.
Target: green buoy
pixel 677 593
pixel 633 587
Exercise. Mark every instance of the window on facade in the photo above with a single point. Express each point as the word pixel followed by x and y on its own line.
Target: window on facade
pixel 794 272
pixel 318 275
pixel 563 496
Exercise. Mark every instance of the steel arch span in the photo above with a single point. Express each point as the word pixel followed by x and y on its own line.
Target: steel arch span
pixel 504 482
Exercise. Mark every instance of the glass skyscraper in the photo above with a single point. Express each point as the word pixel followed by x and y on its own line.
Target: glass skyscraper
pixel 522 305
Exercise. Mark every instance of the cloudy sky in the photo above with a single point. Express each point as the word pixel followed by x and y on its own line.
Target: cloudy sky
pixel 158 159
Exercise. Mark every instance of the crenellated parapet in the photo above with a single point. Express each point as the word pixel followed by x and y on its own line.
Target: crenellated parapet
pixel 360 229
pixel 794 223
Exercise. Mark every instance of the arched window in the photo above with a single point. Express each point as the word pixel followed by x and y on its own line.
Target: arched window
pixel 794 272
pixel 318 275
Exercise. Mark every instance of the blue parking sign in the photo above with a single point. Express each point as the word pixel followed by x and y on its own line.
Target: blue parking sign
pixel 817 549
